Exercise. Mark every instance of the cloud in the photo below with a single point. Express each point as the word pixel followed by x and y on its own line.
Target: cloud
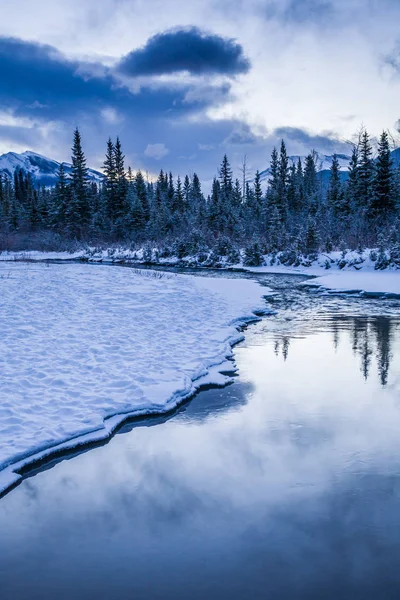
pixel 241 136
pixel 156 151
pixel 301 11
pixel 110 115
pixel 186 50
pixel 309 10
pixel 34 75
pixel 297 137
pixel 45 94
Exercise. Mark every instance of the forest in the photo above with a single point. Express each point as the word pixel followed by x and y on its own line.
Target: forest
pixel 299 213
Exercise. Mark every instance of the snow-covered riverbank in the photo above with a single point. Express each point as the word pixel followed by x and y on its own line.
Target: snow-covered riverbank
pixel 341 271
pixel 84 347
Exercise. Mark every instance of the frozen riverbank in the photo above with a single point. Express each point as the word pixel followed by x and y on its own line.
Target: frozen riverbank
pixel 83 347
pixel 341 271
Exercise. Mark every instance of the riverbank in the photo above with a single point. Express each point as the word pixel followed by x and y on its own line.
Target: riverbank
pixel 83 349
pixel 369 271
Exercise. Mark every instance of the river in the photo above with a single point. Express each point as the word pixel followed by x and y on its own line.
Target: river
pixel 285 484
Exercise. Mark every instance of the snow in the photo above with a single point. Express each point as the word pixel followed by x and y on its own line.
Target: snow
pixel 373 282
pixel 84 346
pixel 334 270
pixel 42 169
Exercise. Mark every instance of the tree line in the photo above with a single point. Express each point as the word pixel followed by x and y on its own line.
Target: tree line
pixel 300 211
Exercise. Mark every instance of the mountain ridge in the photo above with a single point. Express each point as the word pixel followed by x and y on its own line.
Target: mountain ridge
pixel 42 169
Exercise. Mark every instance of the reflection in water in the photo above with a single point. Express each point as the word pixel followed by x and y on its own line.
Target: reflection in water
pixel 370 337
pixel 284 485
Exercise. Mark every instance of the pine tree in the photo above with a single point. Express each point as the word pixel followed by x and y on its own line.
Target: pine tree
pixel 178 201
pixel 335 190
pixel 225 176
pixel 311 237
pixel 141 193
pixel 273 169
pixel 365 174
pixel 310 176
pixel 383 199
pixel 110 184
pixel 292 193
pixel 258 195
pixel 79 213
pixel 120 208
pixel 283 177
pixel 354 180
pixel 62 196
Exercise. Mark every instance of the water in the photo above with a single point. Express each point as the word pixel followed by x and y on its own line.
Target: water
pixel 285 484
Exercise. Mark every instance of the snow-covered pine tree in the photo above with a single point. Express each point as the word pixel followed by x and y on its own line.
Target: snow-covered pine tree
pixel 383 200
pixel 78 209
pixel 366 169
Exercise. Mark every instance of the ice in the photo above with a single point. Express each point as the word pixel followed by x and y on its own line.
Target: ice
pixel 372 282
pixel 84 346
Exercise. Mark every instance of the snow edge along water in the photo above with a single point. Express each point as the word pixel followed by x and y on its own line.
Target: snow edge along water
pixel 327 271
pixel 217 372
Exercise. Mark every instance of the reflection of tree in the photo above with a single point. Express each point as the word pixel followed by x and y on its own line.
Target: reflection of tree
pixel 383 331
pixel 362 340
pixel 283 344
pixel 285 347
pixel 369 336
pixel 365 356
pixel 361 343
pixel 335 331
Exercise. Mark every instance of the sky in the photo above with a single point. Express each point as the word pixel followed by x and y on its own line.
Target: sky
pixel 184 82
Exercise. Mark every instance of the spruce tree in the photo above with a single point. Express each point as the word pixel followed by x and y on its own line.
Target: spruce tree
pixel 365 174
pixel 354 180
pixel 310 176
pixel 383 199
pixel 79 212
pixel 142 195
pixel 61 199
pixel 258 195
pixel 110 184
pixel 283 179
pixel 120 209
pixel 335 190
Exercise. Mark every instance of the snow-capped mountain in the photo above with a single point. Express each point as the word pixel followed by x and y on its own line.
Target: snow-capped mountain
pixel 43 170
pixel 323 164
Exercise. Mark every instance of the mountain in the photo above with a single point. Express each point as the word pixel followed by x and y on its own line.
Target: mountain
pixel 43 170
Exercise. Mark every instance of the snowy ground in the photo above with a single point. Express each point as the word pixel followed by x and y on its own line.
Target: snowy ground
pixel 373 282
pixel 83 345
pixel 347 271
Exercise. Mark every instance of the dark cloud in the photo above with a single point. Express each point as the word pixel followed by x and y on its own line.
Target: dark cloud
pixel 327 142
pixel 241 136
pixel 190 50
pixel 46 95
pixel 35 76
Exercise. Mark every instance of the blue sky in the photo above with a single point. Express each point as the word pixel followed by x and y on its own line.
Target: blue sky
pixel 184 82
